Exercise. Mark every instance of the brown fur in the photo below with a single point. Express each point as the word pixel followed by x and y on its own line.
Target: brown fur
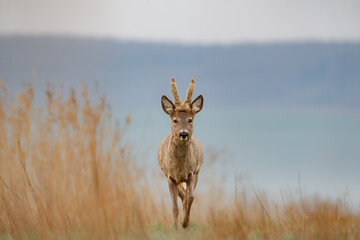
pixel 181 158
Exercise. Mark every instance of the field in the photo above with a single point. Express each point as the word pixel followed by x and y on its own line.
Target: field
pixel 66 172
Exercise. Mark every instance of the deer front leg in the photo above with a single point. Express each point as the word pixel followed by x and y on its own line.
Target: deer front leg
pixel 174 194
pixel 189 198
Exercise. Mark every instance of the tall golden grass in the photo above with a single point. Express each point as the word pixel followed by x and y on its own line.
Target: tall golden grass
pixel 66 172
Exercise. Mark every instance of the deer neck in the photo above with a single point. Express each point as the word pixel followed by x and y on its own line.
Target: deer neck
pixel 179 149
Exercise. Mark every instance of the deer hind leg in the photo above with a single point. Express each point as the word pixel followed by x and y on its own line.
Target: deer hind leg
pixel 174 194
pixel 189 198
pixel 196 179
pixel 181 192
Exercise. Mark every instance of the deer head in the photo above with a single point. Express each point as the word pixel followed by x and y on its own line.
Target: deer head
pixel 182 115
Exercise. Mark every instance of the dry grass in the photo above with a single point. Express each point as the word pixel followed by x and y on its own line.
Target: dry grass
pixel 66 173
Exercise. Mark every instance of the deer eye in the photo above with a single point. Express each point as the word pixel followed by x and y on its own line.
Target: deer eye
pixel 175 121
pixel 190 120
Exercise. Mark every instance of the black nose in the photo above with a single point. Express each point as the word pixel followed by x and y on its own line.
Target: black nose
pixel 183 134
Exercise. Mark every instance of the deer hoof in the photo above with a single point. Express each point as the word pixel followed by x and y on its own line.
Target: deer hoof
pixel 185 225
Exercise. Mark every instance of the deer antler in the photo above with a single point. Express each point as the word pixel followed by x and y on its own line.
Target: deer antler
pixel 175 93
pixel 189 93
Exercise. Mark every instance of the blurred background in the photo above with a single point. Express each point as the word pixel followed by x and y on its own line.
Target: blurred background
pixel 280 79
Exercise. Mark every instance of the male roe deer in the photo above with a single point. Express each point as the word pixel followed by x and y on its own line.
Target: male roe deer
pixel 180 154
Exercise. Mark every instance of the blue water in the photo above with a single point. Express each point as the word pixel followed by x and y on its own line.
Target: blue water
pixel 270 148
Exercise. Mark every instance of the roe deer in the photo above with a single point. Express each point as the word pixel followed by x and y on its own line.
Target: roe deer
pixel 180 154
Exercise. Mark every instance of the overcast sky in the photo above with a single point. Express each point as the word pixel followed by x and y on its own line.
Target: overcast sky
pixel 186 21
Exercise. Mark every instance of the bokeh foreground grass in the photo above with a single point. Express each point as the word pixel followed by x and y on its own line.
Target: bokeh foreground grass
pixel 67 173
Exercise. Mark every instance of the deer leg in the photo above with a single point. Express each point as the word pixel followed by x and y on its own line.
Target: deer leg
pixel 189 198
pixel 196 179
pixel 174 194
pixel 181 192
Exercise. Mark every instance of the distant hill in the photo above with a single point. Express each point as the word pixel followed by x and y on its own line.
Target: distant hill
pixel 136 74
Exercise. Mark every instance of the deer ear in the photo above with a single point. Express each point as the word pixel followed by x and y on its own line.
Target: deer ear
pixel 197 104
pixel 167 105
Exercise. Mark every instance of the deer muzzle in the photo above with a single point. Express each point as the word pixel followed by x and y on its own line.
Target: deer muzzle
pixel 183 135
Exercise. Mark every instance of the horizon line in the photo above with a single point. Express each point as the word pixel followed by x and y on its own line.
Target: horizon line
pixel 181 43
